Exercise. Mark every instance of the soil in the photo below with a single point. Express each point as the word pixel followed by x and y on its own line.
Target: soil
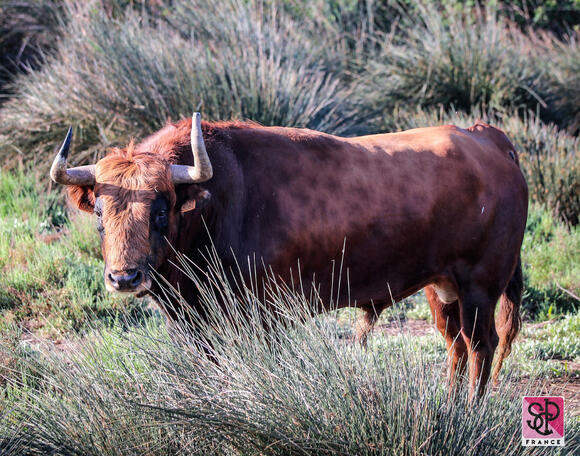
pixel 567 386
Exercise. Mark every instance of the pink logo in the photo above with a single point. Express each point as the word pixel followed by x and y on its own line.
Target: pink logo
pixel 543 421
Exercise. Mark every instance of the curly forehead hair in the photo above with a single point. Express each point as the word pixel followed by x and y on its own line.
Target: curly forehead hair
pixel 128 171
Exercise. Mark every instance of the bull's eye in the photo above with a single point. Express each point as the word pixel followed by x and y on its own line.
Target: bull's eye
pixel 160 215
pixel 98 209
pixel 161 220
pixel 100 227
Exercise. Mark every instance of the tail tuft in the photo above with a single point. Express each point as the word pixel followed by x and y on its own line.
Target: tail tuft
pixel 508 321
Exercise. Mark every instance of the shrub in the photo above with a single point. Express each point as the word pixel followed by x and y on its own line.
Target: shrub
pixel 28 29
pixel 557 16
pixel 443 55
pixel 562 85
pixel 112 77
pixel 461 57
pixel 298 389
pixel 550 160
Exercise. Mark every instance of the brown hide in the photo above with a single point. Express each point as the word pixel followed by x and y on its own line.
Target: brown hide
pixel 412 206
pixel 441 206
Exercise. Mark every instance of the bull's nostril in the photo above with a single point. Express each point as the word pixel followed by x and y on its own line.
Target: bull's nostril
pixel 136 279
pixel 125 281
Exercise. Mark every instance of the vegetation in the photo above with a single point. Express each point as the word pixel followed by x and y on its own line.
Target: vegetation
pixel 302 391
pixel 51 279
pixel 552 266
pixel 114 382
pixel 130 75
pixel 557 340
pixel 27 30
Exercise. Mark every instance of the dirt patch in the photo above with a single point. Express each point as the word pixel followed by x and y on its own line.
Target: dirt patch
pixel 46 345
pixel 567 386
pixel 412 327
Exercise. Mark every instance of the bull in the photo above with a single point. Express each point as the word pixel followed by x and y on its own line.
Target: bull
pixel 440 208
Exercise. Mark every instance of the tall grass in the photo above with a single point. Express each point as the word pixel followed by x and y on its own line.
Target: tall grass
pixel 50 266
pixel 28 29
pixel 562 88
pixel 241 389
pixel 558 17
pixel 450 56
pixel 112 77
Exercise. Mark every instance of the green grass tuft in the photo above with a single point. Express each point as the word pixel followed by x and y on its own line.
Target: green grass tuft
pixel 51 266
pixel 551 261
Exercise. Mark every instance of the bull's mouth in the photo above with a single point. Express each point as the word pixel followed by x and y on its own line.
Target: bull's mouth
pixel 131 281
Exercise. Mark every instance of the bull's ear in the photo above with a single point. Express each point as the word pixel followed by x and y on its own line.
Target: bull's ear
pixel 188 206
pixel 82 197
pixel 191 197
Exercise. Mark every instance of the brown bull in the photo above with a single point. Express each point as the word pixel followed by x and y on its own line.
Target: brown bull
pixel 442 208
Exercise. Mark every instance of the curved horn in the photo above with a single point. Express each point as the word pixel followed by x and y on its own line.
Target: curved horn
pixel 201 170
pixel 81 175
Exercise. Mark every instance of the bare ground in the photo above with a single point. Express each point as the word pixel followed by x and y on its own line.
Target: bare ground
pixel 567 386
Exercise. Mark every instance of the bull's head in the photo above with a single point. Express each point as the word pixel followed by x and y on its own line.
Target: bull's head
pixel 133 196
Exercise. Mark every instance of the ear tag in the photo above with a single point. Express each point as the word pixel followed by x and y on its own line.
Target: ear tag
pixel 188 206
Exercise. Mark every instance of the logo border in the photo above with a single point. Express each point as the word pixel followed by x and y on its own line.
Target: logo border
pixel 562 440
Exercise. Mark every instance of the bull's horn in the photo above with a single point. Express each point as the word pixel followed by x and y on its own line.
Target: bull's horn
pixel 81 175
pixel 201 170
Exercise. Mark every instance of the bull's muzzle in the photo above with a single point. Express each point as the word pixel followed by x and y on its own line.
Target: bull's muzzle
pixel 128 281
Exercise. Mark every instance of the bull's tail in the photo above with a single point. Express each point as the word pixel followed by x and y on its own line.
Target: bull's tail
pixel 508 320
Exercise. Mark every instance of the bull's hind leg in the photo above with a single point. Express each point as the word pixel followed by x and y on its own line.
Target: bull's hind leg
pixel 446 317
pixel 366 322
pixel 476 310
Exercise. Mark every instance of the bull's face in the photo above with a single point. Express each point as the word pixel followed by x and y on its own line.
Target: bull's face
pixel 134 203
pixel 133 198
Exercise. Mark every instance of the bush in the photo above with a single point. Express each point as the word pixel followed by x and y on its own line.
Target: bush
pixel 556 16
pixel 461 57
pixel 298 389
pixel 550 160
pixel 28 29
pixel 114 77
pixel 443 55
pixel 562 85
